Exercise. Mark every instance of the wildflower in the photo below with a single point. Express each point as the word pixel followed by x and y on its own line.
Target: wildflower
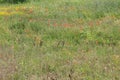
pixel 90 23
pixel 55 24
pixel 24 8
pixel 17 8
pixel 30 11
pixel 26 31
pixel 98 22
pixel 4 13
pixel 66 25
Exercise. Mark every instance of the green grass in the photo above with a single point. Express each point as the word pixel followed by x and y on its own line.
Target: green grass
pixel 60 40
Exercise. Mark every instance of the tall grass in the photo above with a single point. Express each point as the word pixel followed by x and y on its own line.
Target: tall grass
pixel 60 40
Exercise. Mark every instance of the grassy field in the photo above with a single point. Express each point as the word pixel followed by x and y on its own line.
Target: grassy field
pixel 60 40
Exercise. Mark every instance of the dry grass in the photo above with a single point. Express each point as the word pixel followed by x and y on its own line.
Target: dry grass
pixel 8 66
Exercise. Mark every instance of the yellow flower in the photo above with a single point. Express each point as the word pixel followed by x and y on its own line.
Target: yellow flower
pixel 4 13
pixel 17 8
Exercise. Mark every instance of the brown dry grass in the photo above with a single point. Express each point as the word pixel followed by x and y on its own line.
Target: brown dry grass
pixel 8 65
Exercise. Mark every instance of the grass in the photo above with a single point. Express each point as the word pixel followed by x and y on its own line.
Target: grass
pixel 60 40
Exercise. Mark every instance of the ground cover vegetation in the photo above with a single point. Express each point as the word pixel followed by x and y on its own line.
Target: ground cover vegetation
pixel 60 40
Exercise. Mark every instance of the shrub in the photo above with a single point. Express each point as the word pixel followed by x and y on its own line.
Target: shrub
pixel 12 1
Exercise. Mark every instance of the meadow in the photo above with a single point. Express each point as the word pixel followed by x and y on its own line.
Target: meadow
pixel 60 40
